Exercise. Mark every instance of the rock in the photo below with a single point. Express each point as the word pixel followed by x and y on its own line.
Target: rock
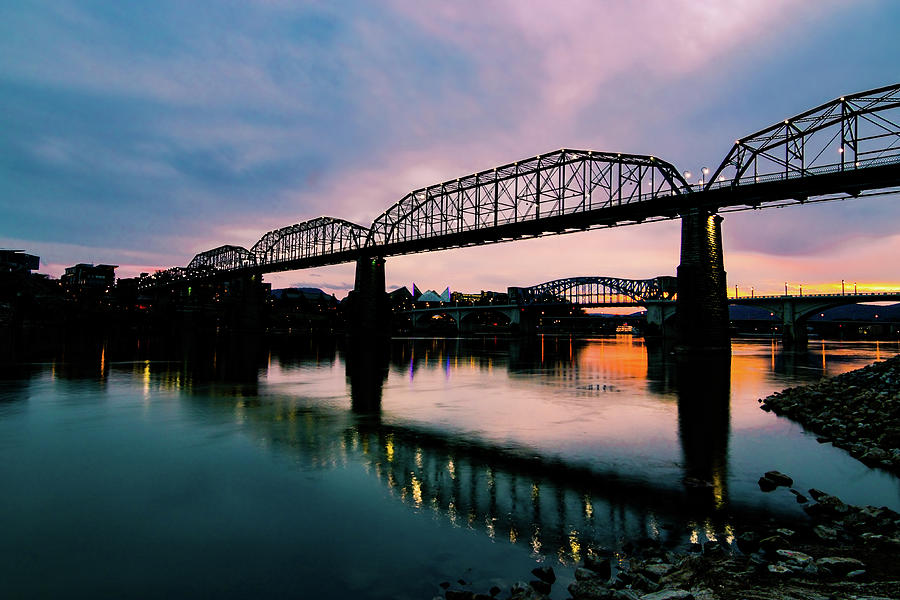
pixel 582 574
pixel 589 590
pixel 766 485
pixel 540 586
pixel 801 499
pixel 827 534
pixel 656 572
pixel 780 570
pixel 779 478
pixel 748 542
pixel 856 574
pixel 642 582
pixel 773 543
pixel 669 595
pixel 625 595
pixel 544 574
pixel 445 584
pixel 481 597
pixel 784 532
pixel 522 591
pixel 840 565
pixel 494 590
pixel 600 566
pixel 454 594
pixel 794 557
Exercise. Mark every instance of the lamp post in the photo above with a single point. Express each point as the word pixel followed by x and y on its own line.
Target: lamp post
pixel 785 288
pixel 801 289
pixel 842 287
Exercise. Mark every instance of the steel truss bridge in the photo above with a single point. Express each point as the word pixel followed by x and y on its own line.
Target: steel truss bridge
pixel 844 148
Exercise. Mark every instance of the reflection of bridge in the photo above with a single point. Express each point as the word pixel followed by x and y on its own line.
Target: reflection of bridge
pixel 844 148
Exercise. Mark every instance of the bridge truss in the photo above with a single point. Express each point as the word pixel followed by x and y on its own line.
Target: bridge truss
pixel 554 192
pixel 859 131
pixel 598 291
pixel 847 147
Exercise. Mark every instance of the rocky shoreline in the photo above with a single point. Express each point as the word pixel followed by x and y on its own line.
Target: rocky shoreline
pixel 858 411
pixel 842 551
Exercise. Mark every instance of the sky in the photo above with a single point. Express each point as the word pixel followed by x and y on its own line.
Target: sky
pixel 142 133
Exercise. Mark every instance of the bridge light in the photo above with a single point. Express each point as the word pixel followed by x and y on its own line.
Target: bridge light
pixel 687 174
pixel 705 170
pixel 842 98
pixel 841 150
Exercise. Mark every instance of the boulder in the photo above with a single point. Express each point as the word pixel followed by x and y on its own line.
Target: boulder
pixel 840 565
pixel 544 574
pixel 779 478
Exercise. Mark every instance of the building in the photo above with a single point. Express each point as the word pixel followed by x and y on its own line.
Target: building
pixel 87 277
pixel 16 261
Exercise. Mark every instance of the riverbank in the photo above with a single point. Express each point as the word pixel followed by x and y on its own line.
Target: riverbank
pixel 840 551
pixel 858 411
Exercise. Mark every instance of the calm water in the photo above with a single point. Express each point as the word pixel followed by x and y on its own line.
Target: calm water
pixel 313 469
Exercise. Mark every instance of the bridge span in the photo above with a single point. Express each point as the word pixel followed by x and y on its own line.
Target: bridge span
pixel 845 148
pixel 657 295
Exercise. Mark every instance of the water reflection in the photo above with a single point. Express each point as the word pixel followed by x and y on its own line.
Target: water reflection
pixel 704 389
pixel 513 492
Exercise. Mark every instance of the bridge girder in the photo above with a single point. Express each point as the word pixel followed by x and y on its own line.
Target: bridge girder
pixel 223 258
pixel 596 290
pixel 557 184
pixel 856 131
pixel 315 238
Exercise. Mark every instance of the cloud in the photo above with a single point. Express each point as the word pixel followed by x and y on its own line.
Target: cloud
pixel 162 130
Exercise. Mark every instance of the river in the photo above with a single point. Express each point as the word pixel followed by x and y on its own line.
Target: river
pixel 244 467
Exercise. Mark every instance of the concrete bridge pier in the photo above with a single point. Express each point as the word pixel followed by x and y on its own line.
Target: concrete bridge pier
pixel 702 303
pixel 370 312
pixel 793 328
pixel 660 323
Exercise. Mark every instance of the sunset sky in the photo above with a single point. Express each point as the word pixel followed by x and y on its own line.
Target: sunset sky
pixel 141 133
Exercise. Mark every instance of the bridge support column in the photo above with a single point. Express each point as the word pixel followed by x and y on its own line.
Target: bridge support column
pixel 702 304
pixel 369 308
pixel 793 329
pixel 659 323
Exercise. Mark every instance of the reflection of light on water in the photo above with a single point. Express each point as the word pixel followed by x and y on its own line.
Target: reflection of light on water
pixel 588 507
pixel 102 360
pixel 729 533
pixel 536 541
pixel 452 468
pixel 392 483
pixel 451 512
pixel 709 531
pixel 695 535
pixel 513 536
pixel 652 526
pixel 240 414
pixel 417 491
pixel 535 491
pixel 146 379
pixel 419 459
pixel 575 546
pixel 389 447
pixel 490 478
pixel 718 489
pixel 489 526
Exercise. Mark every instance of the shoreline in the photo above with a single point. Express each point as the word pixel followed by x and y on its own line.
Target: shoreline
pixel 840 551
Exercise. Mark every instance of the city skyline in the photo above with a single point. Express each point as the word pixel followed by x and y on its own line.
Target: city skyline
pixel 141 137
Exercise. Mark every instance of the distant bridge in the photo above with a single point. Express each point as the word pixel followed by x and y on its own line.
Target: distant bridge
pixel 658 295
pixel 844 148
